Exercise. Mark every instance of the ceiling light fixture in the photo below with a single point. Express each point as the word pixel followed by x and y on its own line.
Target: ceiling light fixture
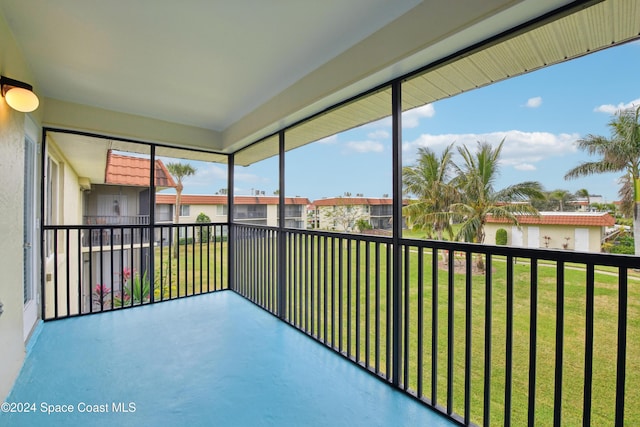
pixel 19 95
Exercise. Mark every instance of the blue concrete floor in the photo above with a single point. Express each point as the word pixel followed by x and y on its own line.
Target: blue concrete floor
pixel 211 360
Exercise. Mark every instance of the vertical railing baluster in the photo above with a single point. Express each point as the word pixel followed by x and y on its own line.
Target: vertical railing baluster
pixel 319 244
pixel 621 363
pixel 420 321
pixel 325 284
pixel 90 281
pixel 306 282
pixel 333 291
pixel 377 309
pixel 112 275
pixel 210 231
pixel 201 257
pixel 557 395
pixel 367 312
pixel 488 304
pixel 533 342
pixel 176 252
pixel 467 336
pixel 312 300
pixel 434 327
pixel 68 267
pixel 193 259
pixel 80 266
pixel 588 345
pixel 450 329
pixel 389 300
pixel 357 264
pixel 340 288
pixel 349 299
pixel 406 318
pixel 508 381
pixel 101 269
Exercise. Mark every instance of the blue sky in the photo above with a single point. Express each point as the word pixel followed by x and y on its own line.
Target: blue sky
pixel 540 116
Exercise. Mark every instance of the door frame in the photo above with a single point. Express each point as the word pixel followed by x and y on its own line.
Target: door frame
pixel 31 232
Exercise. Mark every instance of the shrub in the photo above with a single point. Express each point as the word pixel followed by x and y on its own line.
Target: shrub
pixel 187 241
pixel 363 224
pixel 203 232
pixel 501 237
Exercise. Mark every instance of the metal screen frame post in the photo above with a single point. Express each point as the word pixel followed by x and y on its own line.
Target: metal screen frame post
pixel 152 221
pixel 396 114
pixel 282 243
pixel 231 232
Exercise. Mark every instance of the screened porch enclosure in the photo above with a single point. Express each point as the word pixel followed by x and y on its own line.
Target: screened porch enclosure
pixel 477 334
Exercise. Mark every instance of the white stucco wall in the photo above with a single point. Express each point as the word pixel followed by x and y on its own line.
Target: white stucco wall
pixel 12 136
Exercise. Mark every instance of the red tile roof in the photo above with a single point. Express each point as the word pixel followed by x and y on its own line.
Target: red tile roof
pixel 193 199
pixel 134 171
pixel 593 219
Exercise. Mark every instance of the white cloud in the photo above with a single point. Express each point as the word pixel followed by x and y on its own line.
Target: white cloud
pixel 210 175
pixel 521 150
pixel 364 146
pixel 411 118
pixel 328 140
pixel 250 178
pixel 379 134
pixel 534 102
pixel 614 109
pixel 525 167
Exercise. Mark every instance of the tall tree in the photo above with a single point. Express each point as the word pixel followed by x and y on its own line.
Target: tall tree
pixel 475 180
pixel 584 193
pixel 619 153
pixel 562 197
pixel 179 171
pixel 429 182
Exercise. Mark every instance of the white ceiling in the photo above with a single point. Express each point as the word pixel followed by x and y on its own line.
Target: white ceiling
pixel 243 68
pixel 201 63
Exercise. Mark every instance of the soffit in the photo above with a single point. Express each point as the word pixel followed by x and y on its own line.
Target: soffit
pixel 591 29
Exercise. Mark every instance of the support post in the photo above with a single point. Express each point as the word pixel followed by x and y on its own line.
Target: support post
pixel 396 114
pixel 231 232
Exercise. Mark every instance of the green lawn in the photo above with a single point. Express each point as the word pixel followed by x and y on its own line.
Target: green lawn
pixel 197 269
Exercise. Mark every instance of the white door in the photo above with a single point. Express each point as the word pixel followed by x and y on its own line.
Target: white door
pixel 516 236
pixel 581 241
pixel 533 237
pixel 29 225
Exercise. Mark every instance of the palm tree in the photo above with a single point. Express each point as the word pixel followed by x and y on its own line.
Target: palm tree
pixel 429 182
pixel 561 196
pixel 620 153
pixel 179 171
pixel 583 192
pixel 475 180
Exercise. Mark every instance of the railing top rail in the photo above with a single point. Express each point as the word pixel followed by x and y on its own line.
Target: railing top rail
pixel 128 226
pixel 599 258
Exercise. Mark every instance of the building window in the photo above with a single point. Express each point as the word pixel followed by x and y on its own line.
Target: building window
pixel 221 210
pixel 184 210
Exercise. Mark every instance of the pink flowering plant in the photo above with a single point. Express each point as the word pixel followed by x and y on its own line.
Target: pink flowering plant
pixel 135 289
pixel 101 295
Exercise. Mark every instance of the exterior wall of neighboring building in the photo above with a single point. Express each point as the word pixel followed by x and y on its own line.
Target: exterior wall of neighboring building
pixel 342 213
pixel 114 204
pixel 256 210
pixel 580 236
pixel 66 209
